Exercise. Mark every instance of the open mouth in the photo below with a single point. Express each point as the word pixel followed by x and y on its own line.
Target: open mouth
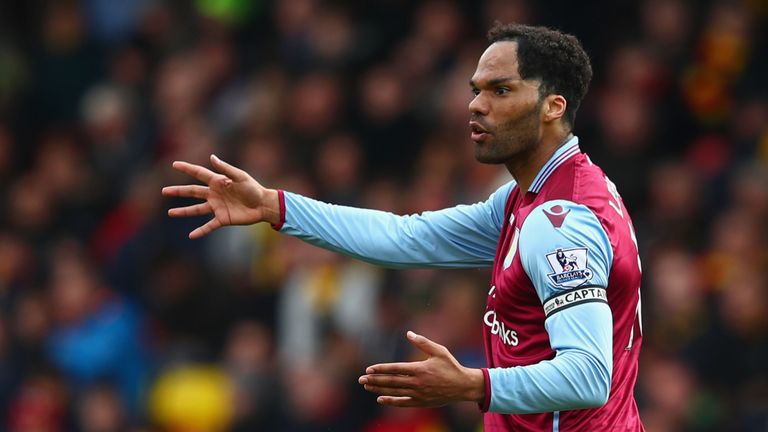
pixel 477 131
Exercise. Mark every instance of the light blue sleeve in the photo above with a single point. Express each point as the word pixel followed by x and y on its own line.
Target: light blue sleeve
pixel 461 236
pixel 567 255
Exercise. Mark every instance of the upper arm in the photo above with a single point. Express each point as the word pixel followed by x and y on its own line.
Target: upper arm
pixel 571 286
pixel 567 255
pixel 563 247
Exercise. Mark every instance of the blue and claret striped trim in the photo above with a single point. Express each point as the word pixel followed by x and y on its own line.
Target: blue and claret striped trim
pixel 568 150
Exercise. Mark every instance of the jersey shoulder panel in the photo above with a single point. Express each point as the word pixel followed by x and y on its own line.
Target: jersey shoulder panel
pixel 592 188
pixel 564 247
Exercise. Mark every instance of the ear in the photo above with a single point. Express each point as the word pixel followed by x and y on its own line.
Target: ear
pixel 554 108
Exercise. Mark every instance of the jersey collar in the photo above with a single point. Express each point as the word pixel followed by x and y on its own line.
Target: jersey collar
pixel 562 154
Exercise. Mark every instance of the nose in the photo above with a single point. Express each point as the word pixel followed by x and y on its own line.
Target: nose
pixel 478 105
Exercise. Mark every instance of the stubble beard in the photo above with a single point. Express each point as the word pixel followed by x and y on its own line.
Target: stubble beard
pixel 511 140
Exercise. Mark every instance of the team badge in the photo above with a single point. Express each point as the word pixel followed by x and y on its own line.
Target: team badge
pixel 569 266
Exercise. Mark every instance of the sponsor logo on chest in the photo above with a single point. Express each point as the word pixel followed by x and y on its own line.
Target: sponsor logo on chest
pixel 497 327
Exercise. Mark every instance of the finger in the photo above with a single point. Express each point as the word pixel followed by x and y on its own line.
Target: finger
pixel 393 368
pixel 390 391
pixel 229 170
pixel 399 401
pixel 210 226
pixel 187 191
pixel 201 173
pixel 426 345
pixel 193 210
pixel 401 381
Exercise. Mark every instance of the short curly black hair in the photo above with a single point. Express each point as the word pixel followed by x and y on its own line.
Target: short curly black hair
pixel 555 58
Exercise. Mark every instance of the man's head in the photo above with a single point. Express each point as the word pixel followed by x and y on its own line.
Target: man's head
pixel 529 81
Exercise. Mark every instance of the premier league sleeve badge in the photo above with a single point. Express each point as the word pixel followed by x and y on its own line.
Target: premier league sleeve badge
pixel 569 267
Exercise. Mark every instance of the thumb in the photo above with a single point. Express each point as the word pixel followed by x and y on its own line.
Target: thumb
pixel 228 170
pixel 425 345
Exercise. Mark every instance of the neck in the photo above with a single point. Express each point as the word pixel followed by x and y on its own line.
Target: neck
pixel 525 166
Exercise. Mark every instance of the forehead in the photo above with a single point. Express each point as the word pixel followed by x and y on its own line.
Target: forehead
pixel 499 59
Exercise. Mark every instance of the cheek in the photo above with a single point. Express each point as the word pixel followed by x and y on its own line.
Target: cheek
pixel 516 120
pixel 528 111
pixel 515 107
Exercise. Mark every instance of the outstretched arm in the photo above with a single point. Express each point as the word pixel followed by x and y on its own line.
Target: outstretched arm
pixel 461 236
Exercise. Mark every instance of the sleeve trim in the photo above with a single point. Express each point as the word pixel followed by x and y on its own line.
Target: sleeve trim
pixel 574 297
pixel 281 199
pixel 485 406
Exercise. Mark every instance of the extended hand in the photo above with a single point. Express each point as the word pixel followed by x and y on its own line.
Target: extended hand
pixel 436 381
pixel 232 195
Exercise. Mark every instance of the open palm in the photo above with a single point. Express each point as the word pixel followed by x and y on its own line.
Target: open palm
pixel 232 195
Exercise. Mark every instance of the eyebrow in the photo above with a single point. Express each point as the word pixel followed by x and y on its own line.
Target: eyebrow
pixel 495 81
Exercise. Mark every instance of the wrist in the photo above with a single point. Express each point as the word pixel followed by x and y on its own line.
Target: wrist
pixel 476 385
pixel 273 212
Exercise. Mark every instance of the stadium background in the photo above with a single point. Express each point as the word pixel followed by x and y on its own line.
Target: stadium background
pixel 112 320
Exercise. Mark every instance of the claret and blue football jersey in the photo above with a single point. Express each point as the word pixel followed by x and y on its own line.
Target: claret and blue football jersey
pixel 562 321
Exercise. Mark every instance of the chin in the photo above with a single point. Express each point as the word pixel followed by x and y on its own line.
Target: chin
pixel 487 158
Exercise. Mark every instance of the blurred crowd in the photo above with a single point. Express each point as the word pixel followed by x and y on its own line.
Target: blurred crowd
pixel 112 320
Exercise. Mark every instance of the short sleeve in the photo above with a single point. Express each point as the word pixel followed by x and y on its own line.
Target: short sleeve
pixel 567 255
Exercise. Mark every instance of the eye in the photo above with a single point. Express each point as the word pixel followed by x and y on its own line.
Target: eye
pixel 475 91
pixel 501 90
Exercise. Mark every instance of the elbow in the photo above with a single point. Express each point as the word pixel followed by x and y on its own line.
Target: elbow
pixel 598 393
pixel 593 398
pixel 591 385
pixel 597 398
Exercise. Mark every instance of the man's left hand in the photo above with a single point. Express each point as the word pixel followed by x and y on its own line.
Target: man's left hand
pixel 436 381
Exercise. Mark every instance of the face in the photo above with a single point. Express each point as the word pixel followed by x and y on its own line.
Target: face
pixel 505 110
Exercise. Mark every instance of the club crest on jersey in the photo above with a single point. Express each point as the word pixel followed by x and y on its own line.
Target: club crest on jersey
pixel 569 266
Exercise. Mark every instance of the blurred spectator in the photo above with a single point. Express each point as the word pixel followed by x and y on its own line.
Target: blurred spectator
pixel 96 334
pixel 315 102
pixel 675 213
pixel 676 297
pixel 339 169
pixel 7 149
pixel 109 121
pixel 30 324
pixel 40 404
pixel 668 387
pixel 749 190
pixel 385 123
pixel 66 64
pixel 248 359
pixel 13 76
pixel 326 295
pixel 397 420
pixel 100 409
pixel 111 22
pixel 667 26
pixel 7 372
pixel 15 265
